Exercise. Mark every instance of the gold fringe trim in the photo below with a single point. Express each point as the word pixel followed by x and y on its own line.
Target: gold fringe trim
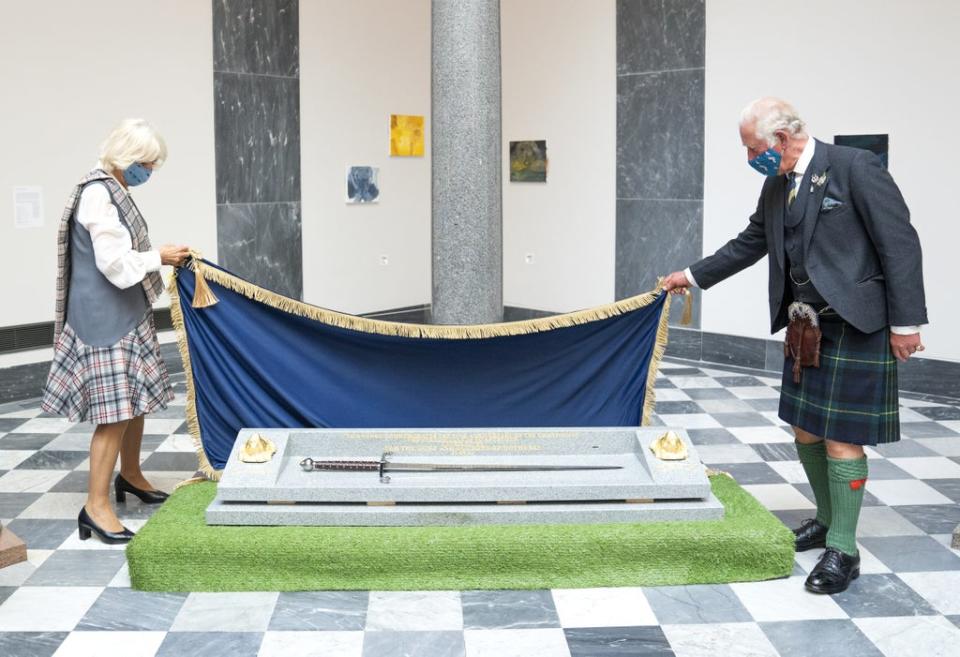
pixel 442 332
pixel 203 296
pixel 687 316
pixel 343 320
pixel 193 423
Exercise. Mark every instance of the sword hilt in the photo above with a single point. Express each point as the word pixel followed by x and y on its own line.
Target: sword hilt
pixel 309 464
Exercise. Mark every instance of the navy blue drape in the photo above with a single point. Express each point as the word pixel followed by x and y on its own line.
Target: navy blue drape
pixel 257 366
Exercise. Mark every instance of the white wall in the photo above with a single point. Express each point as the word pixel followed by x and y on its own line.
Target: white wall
pixel 68 74
pixel 361 61
pixel 850 68
pixel 560 84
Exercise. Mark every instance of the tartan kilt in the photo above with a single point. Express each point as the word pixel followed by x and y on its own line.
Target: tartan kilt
pixel 852 397
pixel 107 384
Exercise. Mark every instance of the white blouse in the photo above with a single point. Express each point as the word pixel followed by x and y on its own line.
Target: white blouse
pixel 112 246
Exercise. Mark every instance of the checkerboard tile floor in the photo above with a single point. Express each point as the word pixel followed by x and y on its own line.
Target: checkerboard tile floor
pixel 73 598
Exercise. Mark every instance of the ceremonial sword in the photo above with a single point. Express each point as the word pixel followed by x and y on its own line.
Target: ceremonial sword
pixel 383 467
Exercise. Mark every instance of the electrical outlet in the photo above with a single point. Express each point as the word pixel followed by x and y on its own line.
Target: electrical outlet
pixel 384 260
pixel 529 259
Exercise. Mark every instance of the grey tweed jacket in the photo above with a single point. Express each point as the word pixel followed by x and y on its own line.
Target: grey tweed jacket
pixel 861 252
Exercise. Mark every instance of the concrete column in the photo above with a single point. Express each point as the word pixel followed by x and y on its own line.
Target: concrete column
pixel 467 211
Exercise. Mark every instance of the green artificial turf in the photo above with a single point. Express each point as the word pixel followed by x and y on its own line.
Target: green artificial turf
pixel 177 551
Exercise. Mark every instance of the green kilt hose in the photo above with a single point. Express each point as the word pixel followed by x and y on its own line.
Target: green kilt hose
pixel 852 396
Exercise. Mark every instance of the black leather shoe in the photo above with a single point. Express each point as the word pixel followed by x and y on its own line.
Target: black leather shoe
pixel 810 534
pixel 122 487
pixel 87 527
pixel 834 572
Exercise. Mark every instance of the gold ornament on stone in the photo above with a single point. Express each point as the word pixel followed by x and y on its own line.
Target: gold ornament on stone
pixel 669 447
pixel 257 449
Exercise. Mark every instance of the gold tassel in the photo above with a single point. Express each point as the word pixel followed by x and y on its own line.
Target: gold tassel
pixel 203 296
pixel 687 316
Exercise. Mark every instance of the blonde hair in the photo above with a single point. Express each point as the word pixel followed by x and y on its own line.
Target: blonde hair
pixel 134 140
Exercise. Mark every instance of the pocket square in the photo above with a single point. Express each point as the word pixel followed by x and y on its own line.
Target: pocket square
pixel 830 204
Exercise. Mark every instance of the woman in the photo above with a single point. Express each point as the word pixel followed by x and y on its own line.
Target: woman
pixel 107 368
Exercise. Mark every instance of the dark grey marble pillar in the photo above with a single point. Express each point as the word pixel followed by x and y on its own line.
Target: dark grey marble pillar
pixel 660 91
pixel 256 74
pixel 467 210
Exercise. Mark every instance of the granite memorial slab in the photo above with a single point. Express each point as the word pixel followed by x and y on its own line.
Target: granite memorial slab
pixel 613 476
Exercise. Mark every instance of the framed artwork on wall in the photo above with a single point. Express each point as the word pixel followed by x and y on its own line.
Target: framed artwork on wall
pixel 406 135
pixel 362 184
pixel 528 161
pixel 879 144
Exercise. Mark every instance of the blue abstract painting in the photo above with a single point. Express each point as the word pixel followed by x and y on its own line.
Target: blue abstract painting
pixel 362 185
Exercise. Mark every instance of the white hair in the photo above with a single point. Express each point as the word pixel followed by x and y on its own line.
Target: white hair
pixel 134 140
pixel 770 115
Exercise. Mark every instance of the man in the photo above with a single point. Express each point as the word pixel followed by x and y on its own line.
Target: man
pixel 845 261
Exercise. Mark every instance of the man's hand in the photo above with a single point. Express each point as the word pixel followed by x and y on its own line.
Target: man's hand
pixel 676 283
pixel 904 346
pixel 171 254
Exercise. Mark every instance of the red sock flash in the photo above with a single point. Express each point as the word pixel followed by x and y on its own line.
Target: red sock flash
pixel 857 484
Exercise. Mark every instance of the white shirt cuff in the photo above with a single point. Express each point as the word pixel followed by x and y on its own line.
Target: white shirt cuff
pixel 904 330
pixel 689 275
pixel 152 260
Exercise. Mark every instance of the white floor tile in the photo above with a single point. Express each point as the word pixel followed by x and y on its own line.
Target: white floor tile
pixel 727 639
pixel 671 394
pixel 785 600
pixel 792 471
pixel 161 425
pixel 225 612
pixel 690 421
pixel 46 425
pixel 755 392
pixel 46 608
pixel 774 416
pixel 907 414
pixel 603 607
pixel 929 467
pixel 310 644
pixel 178 442
pixel 902 492
pixel 728 454
pixel 103 644
pixel 122 579
pixel 942 446
pixel 415 610
pixel 70 442
pixel 754 435
pixel 516 643
pixel 31 481
pixel 912 636
pixel 11 458
pixel 779 497
pixel 693 382
pixel 56 506
pixel 941 589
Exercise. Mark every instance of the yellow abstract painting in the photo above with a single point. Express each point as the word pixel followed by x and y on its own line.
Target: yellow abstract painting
pixel 406 135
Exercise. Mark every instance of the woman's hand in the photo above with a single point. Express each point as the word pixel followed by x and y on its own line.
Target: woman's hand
pixel 171 254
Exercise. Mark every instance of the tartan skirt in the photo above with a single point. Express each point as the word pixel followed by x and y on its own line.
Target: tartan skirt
pixel 107 384
pixel 852 397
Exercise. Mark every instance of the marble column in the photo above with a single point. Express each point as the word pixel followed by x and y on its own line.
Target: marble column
pixel 467 211
pixel 256 73
pixel 660 119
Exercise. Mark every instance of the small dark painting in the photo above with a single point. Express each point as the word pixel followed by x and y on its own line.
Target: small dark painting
pixel 878 144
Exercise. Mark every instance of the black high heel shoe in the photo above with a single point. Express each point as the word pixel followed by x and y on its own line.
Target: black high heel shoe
pixel 87 527
pixel 122 487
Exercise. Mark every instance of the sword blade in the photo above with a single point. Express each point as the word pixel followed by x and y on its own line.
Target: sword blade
pixel 483 467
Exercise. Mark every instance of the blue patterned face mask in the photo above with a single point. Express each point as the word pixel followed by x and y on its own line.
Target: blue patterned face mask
pixel 136 174
pixel 767 163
